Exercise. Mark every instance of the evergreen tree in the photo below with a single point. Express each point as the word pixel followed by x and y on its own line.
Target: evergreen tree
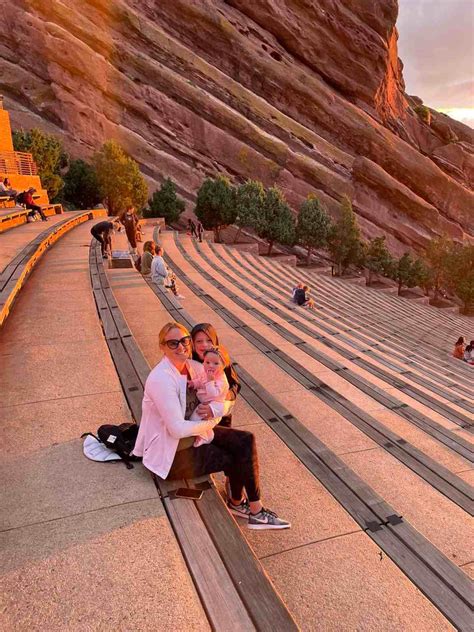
pixel 48 154
pixel 119 177
pixel 249 199
pixel 276 223
pixel 313 225
pixel 377 259
pixel 437 255
pixel 165 203
pixel 344 239
pixel 81 187
pixel 215 204
pixel 407 272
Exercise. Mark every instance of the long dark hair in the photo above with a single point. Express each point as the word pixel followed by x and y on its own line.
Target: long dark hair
pixel 231 374
pixel 460 341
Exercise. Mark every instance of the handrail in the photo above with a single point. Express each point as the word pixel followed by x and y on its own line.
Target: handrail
pixel 17 163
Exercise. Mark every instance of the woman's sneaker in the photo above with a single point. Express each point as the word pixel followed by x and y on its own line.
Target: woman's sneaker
pixel 266 519
pixel 242 510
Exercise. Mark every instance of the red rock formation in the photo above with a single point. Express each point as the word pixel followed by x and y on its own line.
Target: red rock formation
pixel 307 95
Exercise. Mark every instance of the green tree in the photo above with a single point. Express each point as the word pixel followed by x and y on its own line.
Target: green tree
pixel 81 187
pixel 437 255
pixel 407 272
pixel 165 203
pixel 276 222
pixel 313 225
pixel 377 259
pixel 344 240
pixel 119 177
pixel 48 154
pixel 460 274
pixel 249 201
pixel 215 204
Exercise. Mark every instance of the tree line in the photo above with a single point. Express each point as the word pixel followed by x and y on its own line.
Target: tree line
pixel 114 178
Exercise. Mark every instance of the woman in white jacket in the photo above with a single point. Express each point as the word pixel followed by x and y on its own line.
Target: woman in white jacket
pixel 166 436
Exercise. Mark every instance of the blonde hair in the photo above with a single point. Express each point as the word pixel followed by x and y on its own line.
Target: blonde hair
pixel 168 327
pixel 148 246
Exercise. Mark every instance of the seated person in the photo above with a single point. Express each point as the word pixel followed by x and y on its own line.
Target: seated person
pixel 211 386
pixel 161 274
pixel 147 257
pixel 459 348
pixel 302 297
pixel 298 286
pixel 469 353
pixel 29 204
pixel 7 190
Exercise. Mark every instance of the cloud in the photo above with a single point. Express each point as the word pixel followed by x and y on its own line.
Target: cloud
pixel 436 45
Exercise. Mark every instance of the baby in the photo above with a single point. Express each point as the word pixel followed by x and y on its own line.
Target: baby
pixel 211 385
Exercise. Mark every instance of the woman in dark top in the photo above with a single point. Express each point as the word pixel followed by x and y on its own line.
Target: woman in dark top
pixel 130 221
pixel 204 337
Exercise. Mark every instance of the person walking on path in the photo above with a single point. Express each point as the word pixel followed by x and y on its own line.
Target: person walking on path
pixel 130 222
pixel 192 228
pixel 103 233
pixel 166 437
pixel 199 231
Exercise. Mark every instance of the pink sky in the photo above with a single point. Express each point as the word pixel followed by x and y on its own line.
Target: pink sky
pixel 436 45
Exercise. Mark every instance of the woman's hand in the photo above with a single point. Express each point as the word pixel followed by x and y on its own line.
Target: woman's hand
pixel 205 411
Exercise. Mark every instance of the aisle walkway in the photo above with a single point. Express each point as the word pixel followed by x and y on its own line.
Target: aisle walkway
pixel 78 538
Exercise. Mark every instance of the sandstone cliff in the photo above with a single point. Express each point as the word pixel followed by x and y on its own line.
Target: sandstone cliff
pixel 306 94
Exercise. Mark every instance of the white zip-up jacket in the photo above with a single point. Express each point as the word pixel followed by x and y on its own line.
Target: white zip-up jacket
pixel 163 424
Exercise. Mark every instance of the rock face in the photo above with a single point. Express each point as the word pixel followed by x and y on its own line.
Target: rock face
pixel 307 95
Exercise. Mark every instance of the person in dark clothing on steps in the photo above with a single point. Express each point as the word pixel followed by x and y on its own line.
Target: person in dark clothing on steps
pixel 103 233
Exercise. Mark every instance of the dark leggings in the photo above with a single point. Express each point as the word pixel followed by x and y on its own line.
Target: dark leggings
pixel 105 241
pixel 233 452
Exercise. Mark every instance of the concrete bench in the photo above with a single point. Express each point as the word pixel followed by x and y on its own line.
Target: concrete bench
pixel 10 218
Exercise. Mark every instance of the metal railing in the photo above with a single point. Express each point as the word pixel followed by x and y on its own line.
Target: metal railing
pixel 18 163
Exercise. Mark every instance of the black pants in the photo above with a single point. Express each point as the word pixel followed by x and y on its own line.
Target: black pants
pixel 36 209
pixel 233 452
pixel 105 241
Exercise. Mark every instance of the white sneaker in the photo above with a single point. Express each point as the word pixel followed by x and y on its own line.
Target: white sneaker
pixel 179 296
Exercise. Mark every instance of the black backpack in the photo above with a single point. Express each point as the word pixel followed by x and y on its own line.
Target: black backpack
pixel 20 197
pixel 120 439
pixel 138 263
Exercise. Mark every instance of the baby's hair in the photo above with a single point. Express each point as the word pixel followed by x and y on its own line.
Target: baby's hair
pixel 221 352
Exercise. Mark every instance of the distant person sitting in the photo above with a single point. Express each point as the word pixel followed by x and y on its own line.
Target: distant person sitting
pixel 302 297
pixel 459 348
pixel 29 204
pixel 469 353
pixel 103 233
pixel 298 286
pixel 7 190
pixel 147 257
pixel 161 274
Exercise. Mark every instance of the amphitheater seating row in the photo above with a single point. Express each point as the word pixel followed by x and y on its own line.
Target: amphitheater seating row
pixel 10 218
pixel 279 419
pixel 15 274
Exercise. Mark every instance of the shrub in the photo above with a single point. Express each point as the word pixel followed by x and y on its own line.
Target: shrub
pixel 313 225
pixel 215 204
pixel 81 187
pixel 276 222
pixel 49 155
pixel 460 274
pixel 165 203
pixel 437 254
pixel 424 113
pixel 119 177
pixel 344 241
